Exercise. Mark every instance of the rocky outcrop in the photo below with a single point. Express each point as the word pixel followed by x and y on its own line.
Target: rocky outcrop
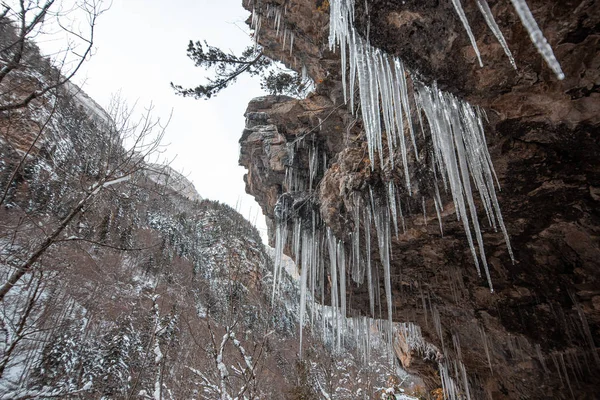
pixel 537 335
pixel 168 177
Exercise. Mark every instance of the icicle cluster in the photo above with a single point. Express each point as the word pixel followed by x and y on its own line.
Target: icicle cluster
pixel 456 128
pixel 343 12
pixel 453 375
pixel 463 18
pixel 484 7
pixel 313 245
pixel 323 259
pixel 461 163
pixel 528 21
pixel 276 13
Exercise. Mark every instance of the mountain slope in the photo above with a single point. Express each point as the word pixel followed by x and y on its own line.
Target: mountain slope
pixel 118 282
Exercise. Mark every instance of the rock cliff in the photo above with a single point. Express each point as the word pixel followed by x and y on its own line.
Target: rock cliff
pixel 536 335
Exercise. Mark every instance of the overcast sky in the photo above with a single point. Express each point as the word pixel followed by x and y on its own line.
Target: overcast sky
pixel 141 48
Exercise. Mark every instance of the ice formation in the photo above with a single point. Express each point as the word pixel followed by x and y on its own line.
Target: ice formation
pixel 455 127
pixel 528 21
pixel 537 37
pixel 461 166
pixel 311 242
pixel 484 7
pixel 463 18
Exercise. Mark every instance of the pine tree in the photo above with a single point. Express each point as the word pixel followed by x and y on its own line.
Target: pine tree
pixel 227 67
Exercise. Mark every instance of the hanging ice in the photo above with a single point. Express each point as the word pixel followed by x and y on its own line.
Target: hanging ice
pixel 491 22
pixel 459 157
pixel 459 147
pixel 341 256
pixel 461 153
pixel 367 228
pixel 303 284
pixel 280 241
pixel 465 22
pixel 382 225
pixel 332 246
pixel 392 205
pixel 537 37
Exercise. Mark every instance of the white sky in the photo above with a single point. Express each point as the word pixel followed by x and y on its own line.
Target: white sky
pixel 141 48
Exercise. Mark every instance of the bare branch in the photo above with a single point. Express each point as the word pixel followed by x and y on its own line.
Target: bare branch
pixel 26 29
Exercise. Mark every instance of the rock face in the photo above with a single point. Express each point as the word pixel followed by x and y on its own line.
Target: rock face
pixel 173 180
pixel 537 335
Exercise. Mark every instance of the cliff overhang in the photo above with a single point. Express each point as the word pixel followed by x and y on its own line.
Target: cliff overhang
pixel 536 335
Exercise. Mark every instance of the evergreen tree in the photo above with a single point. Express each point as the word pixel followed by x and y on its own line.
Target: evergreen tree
pixel 227 67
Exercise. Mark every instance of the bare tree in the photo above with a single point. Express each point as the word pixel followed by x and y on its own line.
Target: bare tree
pixel 17 327
pixel 25 21
pixel 239 381
pixel 116 165
pixel 119 145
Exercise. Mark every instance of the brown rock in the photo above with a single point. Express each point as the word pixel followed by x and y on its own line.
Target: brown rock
pixel 544 139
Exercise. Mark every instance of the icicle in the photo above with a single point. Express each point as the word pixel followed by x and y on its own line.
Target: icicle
pixel 313 165
pixel 357 270
pixel 353 60
pixel 303 280
pixel 387 105
pixel 485 347
pixel 367 219
pixel 314 260
pixel 587 333
pixel 399 122
pixel 277 20
pixel 540 356
pixel 280 242
pixel 575 366
pixel 392 205
pixel 332 245
pixel 341 256
pixel 296 240
pixel 438 210
pixel 437 323
pixel 375 83
pixel 257 32
pixel 373 105
pixel 291 42
pixel 456 343
pixel 401 216
pixel 557 367
pixel 382 225
pixel 401 74
pixel 537 37
pixel 424 211
pixel 491 23
pixel 362 61
pixel 322 274
pixel 463 18
pixel 565 373
pixel 285 31
pixel 463 372
pixel 343 40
